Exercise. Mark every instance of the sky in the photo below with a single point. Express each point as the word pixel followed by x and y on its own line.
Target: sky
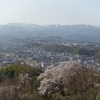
pixel 64 12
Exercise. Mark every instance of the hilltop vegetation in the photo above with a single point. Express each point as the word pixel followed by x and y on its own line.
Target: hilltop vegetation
pixel 19 82
pixel 67 81
pixel 74 50
pixel 70 81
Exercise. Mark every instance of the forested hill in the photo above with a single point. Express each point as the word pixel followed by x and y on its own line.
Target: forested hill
pixel 74 50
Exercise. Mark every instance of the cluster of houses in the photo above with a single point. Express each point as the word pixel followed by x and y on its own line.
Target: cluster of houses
pixel 19 53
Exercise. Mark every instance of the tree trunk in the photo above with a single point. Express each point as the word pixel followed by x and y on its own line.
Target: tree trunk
pixel 62 92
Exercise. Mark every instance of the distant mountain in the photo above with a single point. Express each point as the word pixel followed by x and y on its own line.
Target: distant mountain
pixel 71 32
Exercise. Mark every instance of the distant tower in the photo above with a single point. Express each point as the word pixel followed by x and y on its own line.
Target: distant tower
pixel 42 64
pixel 79 61
pixel 71 58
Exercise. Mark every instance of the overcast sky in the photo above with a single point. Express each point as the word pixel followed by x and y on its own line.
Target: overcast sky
pixel 50 12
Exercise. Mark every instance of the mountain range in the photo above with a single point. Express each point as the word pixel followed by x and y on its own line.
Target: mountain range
pixel 71 32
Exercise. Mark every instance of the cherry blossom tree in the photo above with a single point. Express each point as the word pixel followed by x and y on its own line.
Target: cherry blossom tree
pixel 56 78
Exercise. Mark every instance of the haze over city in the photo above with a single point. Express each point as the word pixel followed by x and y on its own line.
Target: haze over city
pixel 64 12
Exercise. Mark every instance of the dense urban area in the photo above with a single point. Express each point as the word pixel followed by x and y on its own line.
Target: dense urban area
pixel 32 51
